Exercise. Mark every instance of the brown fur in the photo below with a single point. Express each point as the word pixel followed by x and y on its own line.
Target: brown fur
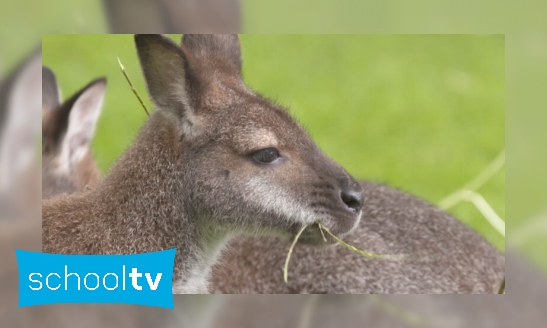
pixel 189 181
pixel 168 16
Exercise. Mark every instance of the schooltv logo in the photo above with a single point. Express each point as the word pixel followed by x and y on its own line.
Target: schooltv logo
pixel 143 279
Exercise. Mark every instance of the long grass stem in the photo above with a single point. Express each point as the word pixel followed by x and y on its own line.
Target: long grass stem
pixel 133 87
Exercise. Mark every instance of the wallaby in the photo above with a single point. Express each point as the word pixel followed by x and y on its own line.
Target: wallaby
pixel 451 258
pixel 214 160
pixel 67 132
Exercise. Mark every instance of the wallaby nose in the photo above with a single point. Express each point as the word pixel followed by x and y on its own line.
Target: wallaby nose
pixel 353 199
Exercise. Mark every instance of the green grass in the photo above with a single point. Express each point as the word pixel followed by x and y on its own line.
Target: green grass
pixel 421 113
pixel 23 22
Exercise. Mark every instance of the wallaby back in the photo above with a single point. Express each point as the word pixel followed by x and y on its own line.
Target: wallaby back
pixel 452 258
pixel 521 308
pixel 67 131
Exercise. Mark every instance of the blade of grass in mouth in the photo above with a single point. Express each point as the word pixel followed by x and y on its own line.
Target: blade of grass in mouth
pixel 286 268
pixel 343 243
pixel 364 253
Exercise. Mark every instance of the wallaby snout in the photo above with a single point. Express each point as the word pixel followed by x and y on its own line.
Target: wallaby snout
pixel 353 198
pixel 350 192
pixel 335 196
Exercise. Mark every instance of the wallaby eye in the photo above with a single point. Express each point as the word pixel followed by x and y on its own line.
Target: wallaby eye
pixel 266 156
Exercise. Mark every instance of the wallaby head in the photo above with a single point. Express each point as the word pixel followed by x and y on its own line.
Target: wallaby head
pixel 244 164
pixel 67 132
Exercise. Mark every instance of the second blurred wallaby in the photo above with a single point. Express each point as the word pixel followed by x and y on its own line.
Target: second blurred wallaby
pixel 68 129
pixel 20 227
pixel 214 161
pixel 67 132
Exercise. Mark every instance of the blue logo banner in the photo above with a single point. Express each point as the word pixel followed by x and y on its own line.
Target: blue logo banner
pixel 143 279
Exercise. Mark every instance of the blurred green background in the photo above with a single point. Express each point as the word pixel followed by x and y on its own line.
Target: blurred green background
pixel 423 113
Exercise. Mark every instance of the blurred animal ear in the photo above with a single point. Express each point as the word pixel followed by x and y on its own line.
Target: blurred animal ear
pixel 19 119
pixel 21 92
pixel 50 90
pixel 83 112
pixel 164 68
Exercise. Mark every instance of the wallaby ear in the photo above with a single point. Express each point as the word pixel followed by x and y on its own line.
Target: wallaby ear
pixel 164 68
pixel 50 90
pixel 182 79
pixel 19 119
pixel 84 112
pixel 21 92
pixel 214 52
